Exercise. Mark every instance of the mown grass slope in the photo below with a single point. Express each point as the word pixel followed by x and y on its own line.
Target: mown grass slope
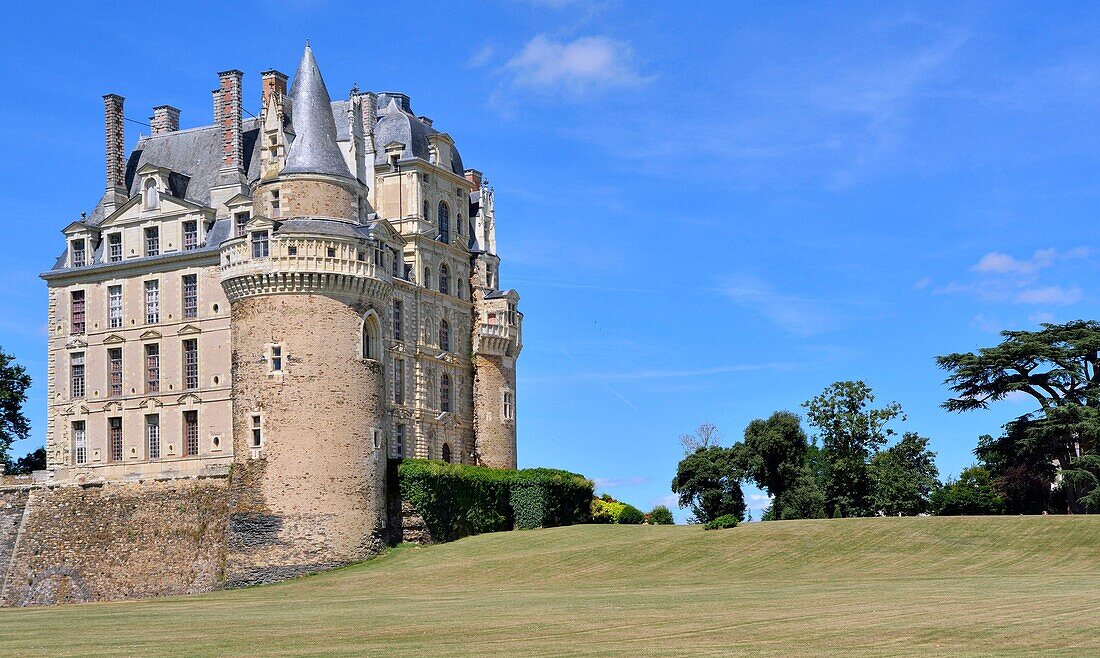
pixel 942 586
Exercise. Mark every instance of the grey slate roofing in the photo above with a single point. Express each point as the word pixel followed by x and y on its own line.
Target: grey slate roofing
pixel 215 236
pixel 314 149
pixel 333 227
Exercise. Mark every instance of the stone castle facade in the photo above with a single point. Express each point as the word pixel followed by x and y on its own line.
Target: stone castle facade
pixel 281 303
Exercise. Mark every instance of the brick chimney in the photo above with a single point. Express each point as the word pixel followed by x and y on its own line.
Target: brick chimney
pixel 115 133
pixel 271 82
pixel 227 116
pixel 474 176
pixel 165 119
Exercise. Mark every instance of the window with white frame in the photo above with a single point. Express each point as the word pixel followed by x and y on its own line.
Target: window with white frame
pixel 190 363
pixel 190 295
pixel 444 279
pixel 152 240
pixel 152 302
pixel 276 361
pixel 190 235
pixel 114 247
pixel 508 406
pixel 114 307
pixel 239 221
pixel 79 255
pixel 257 431
pixel 152 436
pixel 259 244
pixel 78 385
pixel 80 442
pixel 513 316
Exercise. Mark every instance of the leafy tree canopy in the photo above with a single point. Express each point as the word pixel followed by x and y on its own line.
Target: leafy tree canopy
pixel 774 454
pixel 904 476
pixel 709 482
pixel 14 382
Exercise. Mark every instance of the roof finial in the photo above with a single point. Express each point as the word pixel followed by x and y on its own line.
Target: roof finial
pixel 307 42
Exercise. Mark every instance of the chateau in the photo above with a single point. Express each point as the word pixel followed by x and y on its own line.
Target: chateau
pixel 283 303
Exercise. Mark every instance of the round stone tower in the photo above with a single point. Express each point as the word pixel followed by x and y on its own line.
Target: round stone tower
pixel 308 294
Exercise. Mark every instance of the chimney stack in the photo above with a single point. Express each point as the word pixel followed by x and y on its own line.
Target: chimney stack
pixel 165 119
pixel 115 133
pixel 271 82
pixel 227 116
pixel 474 176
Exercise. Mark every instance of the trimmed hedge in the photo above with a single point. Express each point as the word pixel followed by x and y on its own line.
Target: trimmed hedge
pixel 457 500
pixel 631 516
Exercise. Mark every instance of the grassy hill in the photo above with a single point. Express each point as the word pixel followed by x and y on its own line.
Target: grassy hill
pixel 945 586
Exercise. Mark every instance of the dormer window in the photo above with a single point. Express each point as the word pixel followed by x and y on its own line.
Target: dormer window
pixel 152 241
pixel 150 196
pixel 114 247
pixel 79 255
pixel 240 219
pixel 190 235
pixel 259 244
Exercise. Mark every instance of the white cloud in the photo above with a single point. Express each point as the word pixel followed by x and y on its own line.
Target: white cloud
pixel 575 67
pixel 1056 295
pixel 999 263
pixel 671 501
pixel 797 315
pixel 923 283
pixel 482 56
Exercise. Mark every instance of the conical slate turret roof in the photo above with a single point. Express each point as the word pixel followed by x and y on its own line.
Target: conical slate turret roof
pixel 314 149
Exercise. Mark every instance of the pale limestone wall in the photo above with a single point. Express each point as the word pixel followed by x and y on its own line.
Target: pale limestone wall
pixel 312 496
pixel 211 399
pixel 118 541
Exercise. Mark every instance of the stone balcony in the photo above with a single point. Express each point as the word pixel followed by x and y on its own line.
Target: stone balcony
pixel 302 264
pixel 498 339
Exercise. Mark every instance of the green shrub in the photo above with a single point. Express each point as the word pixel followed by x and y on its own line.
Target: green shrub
pixel 605 511
pixel 661 515
pixel 630 516
pixel 457 500
pixel 722 522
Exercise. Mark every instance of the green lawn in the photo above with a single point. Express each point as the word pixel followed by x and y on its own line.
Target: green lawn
pixel 944 586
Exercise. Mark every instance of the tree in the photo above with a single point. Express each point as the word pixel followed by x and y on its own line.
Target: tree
pixel 850 432
pixel 28 463
pixel 705 436
pixel 14 382
pixel 661 515
pixel 904 476
pixel 1059 367
pixel 709 482
pixel 773 455
pixel 804 499
pixel 1085 476
pixel 971 494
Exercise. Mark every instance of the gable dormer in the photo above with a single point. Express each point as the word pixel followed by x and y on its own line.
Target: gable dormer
pixel 440 150
pixel 153 183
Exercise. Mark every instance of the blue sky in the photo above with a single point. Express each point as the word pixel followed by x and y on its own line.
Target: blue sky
pixel 711 212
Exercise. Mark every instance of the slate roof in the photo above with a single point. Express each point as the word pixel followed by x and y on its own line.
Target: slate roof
pixel 314 149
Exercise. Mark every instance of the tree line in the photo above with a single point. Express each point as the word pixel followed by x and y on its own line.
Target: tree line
pixel 858 464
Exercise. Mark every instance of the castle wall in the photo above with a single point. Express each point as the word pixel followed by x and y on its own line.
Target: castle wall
pixel 495 435
pixel 312 495
pixel 112 542
pixel 303 197
pixel 12 503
